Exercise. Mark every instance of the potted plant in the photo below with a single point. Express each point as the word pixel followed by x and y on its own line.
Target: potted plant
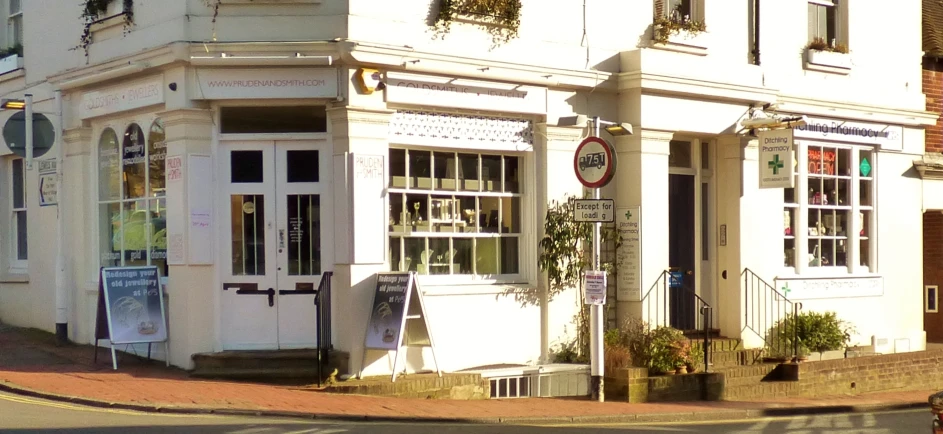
pixel 808 332
pixel 676 27
pixel 834 54
pixel 666 350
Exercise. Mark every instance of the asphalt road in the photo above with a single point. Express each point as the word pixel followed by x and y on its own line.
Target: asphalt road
pixel 19 414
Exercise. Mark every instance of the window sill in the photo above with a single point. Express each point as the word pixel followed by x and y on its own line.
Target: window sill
pixel 827 61
pixel 437 287
pixel 14 276
pixel 9 64
pixel 684 42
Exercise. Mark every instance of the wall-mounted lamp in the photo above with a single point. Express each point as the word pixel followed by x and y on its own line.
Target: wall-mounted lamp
pixel 613 128
pixel 12 104
pixel 369 80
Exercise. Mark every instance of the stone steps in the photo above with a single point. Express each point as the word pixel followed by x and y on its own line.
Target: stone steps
pixel 300 365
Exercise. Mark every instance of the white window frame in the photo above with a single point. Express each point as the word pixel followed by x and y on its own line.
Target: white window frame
pixel 936 298
pixel 801 207
pixel 18 265
pixel 14 23
pixel 120 126
pixel 838 22
pixel 525 252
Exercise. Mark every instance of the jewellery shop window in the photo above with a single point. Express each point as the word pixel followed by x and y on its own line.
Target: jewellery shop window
pixel 455 213
pixel 838 203
pixel 131 197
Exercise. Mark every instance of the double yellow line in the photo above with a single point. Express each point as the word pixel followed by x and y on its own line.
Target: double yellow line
pixel 76 407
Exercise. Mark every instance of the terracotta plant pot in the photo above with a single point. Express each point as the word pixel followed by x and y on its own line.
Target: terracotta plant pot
pixel 681 370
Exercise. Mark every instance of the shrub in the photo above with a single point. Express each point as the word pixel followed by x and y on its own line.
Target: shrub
pixel 617 357
pixel 814 331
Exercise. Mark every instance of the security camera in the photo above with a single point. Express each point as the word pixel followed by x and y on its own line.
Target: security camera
pixel 172 86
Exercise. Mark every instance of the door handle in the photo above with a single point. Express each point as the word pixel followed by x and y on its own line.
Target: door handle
pixel 271 297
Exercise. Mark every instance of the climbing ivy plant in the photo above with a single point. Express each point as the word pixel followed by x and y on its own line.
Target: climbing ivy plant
pixel 93 10
pixel 500 18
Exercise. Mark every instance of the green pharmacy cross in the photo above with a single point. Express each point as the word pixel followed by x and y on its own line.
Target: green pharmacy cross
pixel 786 290
pixel 628 215
pixel 865 167
pixel 776 164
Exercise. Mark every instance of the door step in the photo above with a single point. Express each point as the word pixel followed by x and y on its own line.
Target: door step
pixel 269 365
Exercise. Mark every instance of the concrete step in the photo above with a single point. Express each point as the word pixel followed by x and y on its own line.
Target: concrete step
pixel 261 365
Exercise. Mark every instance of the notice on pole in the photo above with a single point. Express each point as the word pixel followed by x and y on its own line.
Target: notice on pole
pixel 593 210
pixel 776 158
pixel 48 183
pixel 629 254
pixel 594 283
pixel 134 305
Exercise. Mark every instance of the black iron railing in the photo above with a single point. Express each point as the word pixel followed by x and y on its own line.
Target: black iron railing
pixel 766 313
pixel 672 301
pixel 322 303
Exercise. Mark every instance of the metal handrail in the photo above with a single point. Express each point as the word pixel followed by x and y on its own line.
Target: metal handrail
pixel 764 307
pixel 322 303
pixel 658 303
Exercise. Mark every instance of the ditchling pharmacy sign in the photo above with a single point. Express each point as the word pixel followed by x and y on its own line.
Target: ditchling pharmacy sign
pixel 888 137
pixel 775 158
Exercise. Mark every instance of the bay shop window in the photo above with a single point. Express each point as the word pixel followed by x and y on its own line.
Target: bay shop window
pixel 455 213
pixel 828 218
pixel 132 205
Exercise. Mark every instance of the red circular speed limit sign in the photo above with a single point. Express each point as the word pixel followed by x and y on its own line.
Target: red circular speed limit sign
pixel 594 162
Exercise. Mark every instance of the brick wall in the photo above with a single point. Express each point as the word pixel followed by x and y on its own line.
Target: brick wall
pixel 898 372
pixel 933 89
pixel 933 269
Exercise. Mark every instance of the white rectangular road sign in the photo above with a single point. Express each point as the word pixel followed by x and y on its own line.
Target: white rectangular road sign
pixel 594 210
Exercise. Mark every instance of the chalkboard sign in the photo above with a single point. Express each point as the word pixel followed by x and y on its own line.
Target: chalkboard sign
pixel 134 305
pixel 389 310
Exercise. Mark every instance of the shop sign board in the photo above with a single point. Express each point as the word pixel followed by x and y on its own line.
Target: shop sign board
pixel 594 162
pixel 888 137
pixel 810 289
pixel 593 210
pixel 265 83
pixel 629 254
pixel 122 97
pixel 594 283
pixel 134 305
pixel 776 158
pixel 427 90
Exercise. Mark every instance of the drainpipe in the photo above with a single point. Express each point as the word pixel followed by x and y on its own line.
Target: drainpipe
pixel 756 32
pixel 62 296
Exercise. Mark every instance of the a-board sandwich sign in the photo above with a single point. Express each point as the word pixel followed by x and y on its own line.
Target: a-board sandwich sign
pixel 389 310
pixel 134 304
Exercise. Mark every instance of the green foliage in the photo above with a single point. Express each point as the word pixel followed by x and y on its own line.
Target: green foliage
pixel 569 352
pixel 562 255
pixel 674 23
pixel 814 331
pixel 93 10
pixel 500 18
pixel 16 49
pixel 666 354
pixel 819 44
pixel 661 350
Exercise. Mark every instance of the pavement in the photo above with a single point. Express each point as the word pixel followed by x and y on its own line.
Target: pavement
pixel 32 364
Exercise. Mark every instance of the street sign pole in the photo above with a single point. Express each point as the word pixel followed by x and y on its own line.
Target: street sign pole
pixel 596 347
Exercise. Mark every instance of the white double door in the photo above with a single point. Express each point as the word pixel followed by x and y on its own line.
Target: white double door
pixel 276 241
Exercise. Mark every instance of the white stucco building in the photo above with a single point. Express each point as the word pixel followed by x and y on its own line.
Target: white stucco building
pixel 233 149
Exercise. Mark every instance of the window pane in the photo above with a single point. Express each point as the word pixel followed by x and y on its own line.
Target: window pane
pixel 133 162
pixel 705 155
pixel 511 215
pixel 462 262
pixel 398 168
pixel 468 172
pixel 789 252
pixel 489 214
pixel 156 154
pixel 135 235
pixel 486 256
pixel 865 253
pixel 159 235
pixel 439 256
pixel 705 217
pixel 246 166
pixel 109 166
pixel 512 175
pixel 866 163
pixel 21 236
pixel 679 154
pixel 273 119
pixel 509 255
pixel 302 166
pixel 109 230
pixel 789 221
pixel 470 214
pixel 17 175
pixel 418 211
pixel 420 168
pixel 815 252
pixel 491 173
pixel 304 235
pixel 444 170
pixel 398 217
pixel 414 249
pixel 396 263
pixel 444 217
pixel 864 193
pixel 248 235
